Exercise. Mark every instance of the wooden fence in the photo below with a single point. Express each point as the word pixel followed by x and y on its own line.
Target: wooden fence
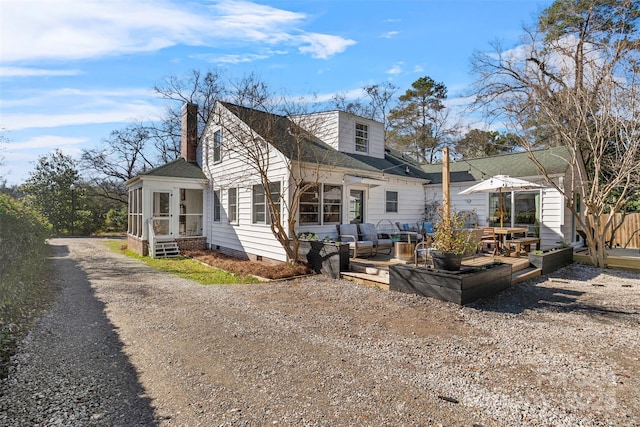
pixel 627 235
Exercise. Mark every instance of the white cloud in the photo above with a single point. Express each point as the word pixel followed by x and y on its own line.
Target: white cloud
pixel 44 141
pixel 117 113
pixel 35 72
pixel 234 59
pixel 395 69
pixel 390 34
pixel 82 100
pixel 323 46
pixel 70 29
pixel 238 58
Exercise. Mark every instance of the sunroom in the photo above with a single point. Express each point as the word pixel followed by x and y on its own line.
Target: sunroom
pixel 166 209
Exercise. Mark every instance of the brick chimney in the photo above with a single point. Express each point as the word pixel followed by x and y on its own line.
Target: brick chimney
pixel 189 134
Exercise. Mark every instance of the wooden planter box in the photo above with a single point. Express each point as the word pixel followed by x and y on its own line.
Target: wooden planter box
pixel 461 287
pixel 552 259
pixel 325 257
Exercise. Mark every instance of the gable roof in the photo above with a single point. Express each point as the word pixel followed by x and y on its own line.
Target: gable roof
pixel 556 160
pixel 280 132
pixel 178 168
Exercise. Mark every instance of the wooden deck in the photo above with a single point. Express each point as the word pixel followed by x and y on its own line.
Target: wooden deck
pixel 626 259
pixel 374 271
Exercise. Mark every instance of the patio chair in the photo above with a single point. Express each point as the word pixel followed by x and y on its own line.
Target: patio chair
pixel 422 253
pixel 348 233
pixel 408 232
pixel 426 228
pixel 380 243
pixel 386 228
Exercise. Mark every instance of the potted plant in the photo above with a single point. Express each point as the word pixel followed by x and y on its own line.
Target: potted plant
pixel 450 242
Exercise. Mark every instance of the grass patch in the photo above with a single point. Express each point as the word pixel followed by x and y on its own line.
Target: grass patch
pixel 185 267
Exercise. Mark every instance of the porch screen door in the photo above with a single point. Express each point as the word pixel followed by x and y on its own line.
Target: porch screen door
pixel 161 213
pixel 356 206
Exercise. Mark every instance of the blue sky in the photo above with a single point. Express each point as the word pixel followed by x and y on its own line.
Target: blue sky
pixel 71 71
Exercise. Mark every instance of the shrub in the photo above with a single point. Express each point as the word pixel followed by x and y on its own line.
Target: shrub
pixel 23 263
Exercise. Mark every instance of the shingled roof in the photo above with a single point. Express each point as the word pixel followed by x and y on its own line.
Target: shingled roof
pixel 178 168
pixel 281 133
pixel 556 160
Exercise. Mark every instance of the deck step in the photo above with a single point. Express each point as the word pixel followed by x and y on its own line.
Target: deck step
pixel 525 274
pixel 167 249
pixel 381 282
pixel 370 270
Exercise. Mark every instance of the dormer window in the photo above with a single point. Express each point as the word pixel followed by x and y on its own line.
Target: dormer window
pixel 362 138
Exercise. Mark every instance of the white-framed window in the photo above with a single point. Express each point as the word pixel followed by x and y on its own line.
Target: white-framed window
pixel 310 206
pixel 232 205
pixel 362 138
pixel 325 198
pixel 217 146
pixel 134 223
pixel 391 201
pixel 331 204
pixel 216 206
pixel 261 212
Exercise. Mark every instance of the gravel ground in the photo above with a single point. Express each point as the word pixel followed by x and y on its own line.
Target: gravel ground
pixel 126 345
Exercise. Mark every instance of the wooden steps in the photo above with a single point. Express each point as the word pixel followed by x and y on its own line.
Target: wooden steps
pixel 167 249
pixel 370 274
pixel 525 274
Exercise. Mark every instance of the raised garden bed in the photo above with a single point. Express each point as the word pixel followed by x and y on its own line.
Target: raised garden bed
pixel 551 260
pixel 461 287
pixel 325 257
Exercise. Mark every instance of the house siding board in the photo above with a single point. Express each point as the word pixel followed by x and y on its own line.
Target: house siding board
pixel 323 125
pixel 552 228
pixel 253 239
pixel 337 129
pixel 410 202
pixel 375 132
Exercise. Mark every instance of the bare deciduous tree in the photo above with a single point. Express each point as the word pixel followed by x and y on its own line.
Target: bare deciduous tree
pixel 123 155
pixel 575 80
pixel 270 138
pixel 196 87
pixel 376 107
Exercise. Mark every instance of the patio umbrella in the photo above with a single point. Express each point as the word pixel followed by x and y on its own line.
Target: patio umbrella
pixel 498 183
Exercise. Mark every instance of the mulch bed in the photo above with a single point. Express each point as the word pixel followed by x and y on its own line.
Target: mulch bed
pixel 268 270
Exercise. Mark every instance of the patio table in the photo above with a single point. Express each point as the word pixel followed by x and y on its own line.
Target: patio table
pixel 502 232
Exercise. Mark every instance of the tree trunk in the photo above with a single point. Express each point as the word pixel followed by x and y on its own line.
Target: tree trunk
pixel 595 241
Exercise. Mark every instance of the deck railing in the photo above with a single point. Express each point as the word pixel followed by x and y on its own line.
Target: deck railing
pixel 152 238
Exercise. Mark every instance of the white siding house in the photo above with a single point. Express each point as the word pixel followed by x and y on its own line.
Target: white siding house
pixel 213 197
pixel 357 182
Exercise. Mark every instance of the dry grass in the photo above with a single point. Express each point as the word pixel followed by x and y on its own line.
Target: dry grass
pixel 234 265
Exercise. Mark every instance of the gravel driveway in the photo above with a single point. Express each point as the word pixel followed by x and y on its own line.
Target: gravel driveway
pixel 125 345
